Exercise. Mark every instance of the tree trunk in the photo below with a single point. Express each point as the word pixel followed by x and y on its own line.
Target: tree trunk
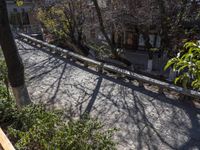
pixel 12 58
pixel 102 27
pixel 148 46
pixel 165 42
pixel 109 41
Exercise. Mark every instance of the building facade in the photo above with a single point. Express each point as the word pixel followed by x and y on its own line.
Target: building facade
pixel 22 17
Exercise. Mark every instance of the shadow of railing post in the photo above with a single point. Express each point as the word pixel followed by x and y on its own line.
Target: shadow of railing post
pixel 93 97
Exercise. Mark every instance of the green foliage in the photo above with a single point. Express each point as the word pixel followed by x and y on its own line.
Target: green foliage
pixel 187 63
pixel 64 20
pixel 54 21
pixel 19 2
pixel 154 49
pixel 101 51
pixel 4 93
pixel 34 127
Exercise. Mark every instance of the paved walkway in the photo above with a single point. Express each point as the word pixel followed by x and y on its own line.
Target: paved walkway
pixel 145 119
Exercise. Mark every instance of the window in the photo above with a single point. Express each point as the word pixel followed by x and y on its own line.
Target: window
pixel 25 17
pixel 19 18
pixel 15 17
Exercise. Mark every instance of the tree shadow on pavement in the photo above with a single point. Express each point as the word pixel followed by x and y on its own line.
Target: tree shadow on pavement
pixel 145 119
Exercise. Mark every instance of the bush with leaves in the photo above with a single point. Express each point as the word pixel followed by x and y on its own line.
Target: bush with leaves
pixel 4 92
pixel 34 127
pixel 187 64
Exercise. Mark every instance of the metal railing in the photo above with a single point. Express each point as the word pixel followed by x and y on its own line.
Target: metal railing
pixel 106 67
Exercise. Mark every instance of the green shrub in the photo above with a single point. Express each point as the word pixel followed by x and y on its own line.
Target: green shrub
pixel 34 127
pixel 187 64
pixel 4 92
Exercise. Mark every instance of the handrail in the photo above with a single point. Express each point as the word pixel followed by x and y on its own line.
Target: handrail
pixel 4 142
pixel 122 72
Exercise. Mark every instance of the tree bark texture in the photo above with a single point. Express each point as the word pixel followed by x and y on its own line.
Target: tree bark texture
pixel 12 58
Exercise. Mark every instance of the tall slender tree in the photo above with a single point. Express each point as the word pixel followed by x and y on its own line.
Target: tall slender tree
pixel 102 27
pixel 12 58
pixel 65 20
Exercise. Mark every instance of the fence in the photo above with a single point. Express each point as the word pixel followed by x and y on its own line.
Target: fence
pixel 106 67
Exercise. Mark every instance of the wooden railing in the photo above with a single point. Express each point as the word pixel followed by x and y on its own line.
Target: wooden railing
pixel 106 67
pixel 5 144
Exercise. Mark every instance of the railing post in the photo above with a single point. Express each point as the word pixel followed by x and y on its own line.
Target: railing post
pixel 141 84
pixel 184 97
pixel 100 68
pixel 86 64
pixel 53 51
pixel 39 45
pixel 73 59
pixel 62 54
pixel 57 52
pixel 33 43
pixel 50 50
pixel 120 76
pixel 66 55
pixel 160 90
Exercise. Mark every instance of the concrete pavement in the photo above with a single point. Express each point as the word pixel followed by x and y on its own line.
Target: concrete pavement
pixel 145 119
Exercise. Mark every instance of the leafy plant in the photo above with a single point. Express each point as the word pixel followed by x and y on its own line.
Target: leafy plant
pixel 101 51
pixel 54 20
pixel 154 49
pixel 64 21
pixel 34 127
pixel 187 63
pixel 19 2
pixel 4 92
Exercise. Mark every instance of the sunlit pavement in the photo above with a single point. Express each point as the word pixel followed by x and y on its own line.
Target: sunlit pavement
pixel 145 119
